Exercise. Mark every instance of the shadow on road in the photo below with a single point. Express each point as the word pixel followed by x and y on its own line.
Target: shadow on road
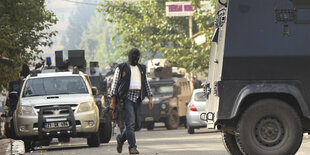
pixel 62 147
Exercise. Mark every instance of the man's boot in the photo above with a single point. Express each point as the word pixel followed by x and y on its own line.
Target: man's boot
pixel 119 147
pixel 133 150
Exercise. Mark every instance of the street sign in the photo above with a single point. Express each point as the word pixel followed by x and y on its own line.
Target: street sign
pixel 183 8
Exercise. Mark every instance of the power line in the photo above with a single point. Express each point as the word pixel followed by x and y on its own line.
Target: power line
pixel 85 3
pixel 96 4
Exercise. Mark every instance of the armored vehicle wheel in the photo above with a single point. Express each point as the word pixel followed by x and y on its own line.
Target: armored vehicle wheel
pixel 172 121
pixel 106 130
pixel 190 130
pixel 93 140
pixel 150 125
pixel 269 126
pixel 230 144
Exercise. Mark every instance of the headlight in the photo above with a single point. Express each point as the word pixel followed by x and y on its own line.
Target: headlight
pixel 156 99
pixel 86 106
pixel 26 111
pixel 163 106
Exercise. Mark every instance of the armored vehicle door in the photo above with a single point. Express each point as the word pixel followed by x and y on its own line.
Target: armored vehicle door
pixel 184 95
pixel 216 62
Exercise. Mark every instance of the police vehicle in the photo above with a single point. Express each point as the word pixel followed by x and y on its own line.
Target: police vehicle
pixel 258 85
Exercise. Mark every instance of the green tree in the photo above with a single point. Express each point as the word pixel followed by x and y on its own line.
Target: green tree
pixel 78 23
pixel 98 43
pixel 144 25
pixel 24 28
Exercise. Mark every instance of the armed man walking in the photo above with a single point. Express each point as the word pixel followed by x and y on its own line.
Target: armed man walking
pixel 130 86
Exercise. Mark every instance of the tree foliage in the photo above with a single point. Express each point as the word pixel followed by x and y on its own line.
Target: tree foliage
pixel 78 23
pixel 97 41
pixel 145 25
pixel 24 28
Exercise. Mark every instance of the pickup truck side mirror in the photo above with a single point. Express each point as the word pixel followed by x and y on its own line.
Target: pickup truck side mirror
pixel 94 91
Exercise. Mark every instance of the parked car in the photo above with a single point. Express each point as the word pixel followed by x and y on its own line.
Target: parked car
pixel 195 107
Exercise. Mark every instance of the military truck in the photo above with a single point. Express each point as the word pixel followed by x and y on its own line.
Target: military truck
pixel 171 91
pixel 258 86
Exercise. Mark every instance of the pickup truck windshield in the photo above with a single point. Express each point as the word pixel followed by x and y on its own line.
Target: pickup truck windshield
pixel 55 86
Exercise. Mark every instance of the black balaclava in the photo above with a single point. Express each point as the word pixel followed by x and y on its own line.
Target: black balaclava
pixel 133 56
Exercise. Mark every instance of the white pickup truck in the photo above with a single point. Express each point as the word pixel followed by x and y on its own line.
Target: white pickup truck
pixel 53 105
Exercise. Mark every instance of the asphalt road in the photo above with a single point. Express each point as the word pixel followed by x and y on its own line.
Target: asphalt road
pixel 157 142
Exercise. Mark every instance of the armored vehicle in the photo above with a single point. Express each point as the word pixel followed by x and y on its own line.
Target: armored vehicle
pixel 76 58
pixel 258 86
pixel 171 92
pixel 169 97
pixel 97 80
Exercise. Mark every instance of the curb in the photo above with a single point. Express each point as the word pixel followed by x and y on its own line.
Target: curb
pixel 12 147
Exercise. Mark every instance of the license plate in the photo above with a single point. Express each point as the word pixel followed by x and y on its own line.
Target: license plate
pixel 149 119
pixel 56 125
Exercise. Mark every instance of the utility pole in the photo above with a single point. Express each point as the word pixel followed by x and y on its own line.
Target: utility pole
pixel 190 27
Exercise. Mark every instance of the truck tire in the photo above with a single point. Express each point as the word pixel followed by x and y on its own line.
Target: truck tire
pixel 230 144
pixel 106 130
pixel 46 141
pixel 269 126
pixel 172 121
pixel 150 126
pixel 28 146
pixel 93 140
pixel 10 130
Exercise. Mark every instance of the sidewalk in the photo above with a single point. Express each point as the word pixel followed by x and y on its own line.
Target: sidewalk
pixel 11 147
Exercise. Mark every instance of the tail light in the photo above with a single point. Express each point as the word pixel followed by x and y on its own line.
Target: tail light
pixel 192 107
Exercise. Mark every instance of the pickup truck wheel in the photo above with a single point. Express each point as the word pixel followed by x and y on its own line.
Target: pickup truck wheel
pixel 106 130
pixel 150 125
pixel 172 121
pixel 230 144
pixel 269 126
pixel 93 140
pixel 28 146
pixel 46 141
pixel 10 130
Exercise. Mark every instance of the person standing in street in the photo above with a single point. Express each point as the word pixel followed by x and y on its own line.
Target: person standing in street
pixel 131 86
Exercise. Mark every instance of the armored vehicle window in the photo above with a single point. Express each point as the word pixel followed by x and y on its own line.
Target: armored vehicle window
pixel 303 16
pixel 199 96
pixel 301 4
pixel 157 90
pixel 55 86
pixel 98 82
